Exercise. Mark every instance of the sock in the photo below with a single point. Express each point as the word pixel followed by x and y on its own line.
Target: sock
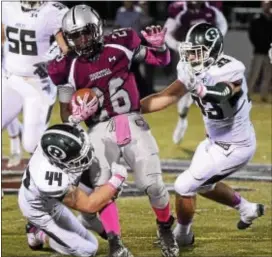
pixel 239 204
pixel 110 219
pixel 15 145
pixel 163 215
pixel 41 236
pixel 184 229
pixel 236 199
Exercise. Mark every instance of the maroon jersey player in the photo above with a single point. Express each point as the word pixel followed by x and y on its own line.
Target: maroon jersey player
pixel 117 128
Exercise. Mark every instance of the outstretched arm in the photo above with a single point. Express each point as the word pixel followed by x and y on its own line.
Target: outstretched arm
pixel 164 98
pixel 157 53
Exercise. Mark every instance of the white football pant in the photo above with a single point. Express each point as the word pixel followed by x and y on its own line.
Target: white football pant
pixel 141 154
pixel 66 234
pixel 212 163
pixel 35 98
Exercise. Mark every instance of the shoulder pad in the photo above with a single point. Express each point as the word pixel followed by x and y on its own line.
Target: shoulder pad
pixel 52 183
pixel 228 69
pixel 50 180
pixel 174 9
pixel 56 11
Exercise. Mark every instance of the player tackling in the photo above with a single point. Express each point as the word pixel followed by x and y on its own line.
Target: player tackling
pixel 217 84
pixel 53 181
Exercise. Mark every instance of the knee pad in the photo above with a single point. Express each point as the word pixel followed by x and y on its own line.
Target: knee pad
pixel 158 195
pixel 184 112
pixel 183 184
pixel 205 189
pixel 91 222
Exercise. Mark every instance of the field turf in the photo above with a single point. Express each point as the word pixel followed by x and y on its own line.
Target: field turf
pixel 214 227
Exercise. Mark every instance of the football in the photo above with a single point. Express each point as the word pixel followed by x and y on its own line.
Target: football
pixel 81 93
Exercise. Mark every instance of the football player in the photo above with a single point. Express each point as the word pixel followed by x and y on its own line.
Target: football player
pixel 217 84
pixel 26 30
pixel 52 182
pixel 117 128
pixel 181 16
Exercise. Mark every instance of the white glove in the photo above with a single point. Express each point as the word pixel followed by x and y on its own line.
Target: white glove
pixel 119 175
pixel 186 75
pixel 53 51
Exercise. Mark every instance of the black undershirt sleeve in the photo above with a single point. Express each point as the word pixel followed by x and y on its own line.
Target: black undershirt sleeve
pixel 218 93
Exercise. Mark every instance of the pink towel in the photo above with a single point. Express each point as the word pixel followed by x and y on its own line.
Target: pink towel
pixel 122 129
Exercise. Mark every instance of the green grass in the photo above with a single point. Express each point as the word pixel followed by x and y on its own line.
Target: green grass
pixel 163 123
pixel 214 227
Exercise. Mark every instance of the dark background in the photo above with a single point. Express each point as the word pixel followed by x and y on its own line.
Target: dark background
pixel 107 9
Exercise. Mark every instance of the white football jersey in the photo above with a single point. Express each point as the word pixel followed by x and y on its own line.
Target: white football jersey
pixel 45 184
pixel 229 121
pixel 27 35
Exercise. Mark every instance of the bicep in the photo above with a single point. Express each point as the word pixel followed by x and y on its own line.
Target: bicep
pixel 61 42
pixel 76 199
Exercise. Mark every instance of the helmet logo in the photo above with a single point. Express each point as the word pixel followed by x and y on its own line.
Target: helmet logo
pixel 211 34
pixel 56 152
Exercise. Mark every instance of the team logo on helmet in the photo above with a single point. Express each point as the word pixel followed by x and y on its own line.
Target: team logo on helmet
pixel 56 152
pixel 211 34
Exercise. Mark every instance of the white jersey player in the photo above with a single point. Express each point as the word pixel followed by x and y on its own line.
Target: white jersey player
pixel 181 16
pixel 26 28
pixel 217 83
pixel 52 182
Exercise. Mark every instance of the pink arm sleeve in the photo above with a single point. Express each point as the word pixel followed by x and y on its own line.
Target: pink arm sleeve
pixel 157 58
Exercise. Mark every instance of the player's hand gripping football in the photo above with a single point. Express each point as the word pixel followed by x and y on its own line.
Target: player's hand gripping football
pixel 82 109
pixel 189 79
pixel 119 175
pixel 154 35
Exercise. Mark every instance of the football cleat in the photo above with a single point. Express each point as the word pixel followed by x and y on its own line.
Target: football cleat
pixel 168 244
pixel 180 130
pixel 182 239
pixel 33 241
pixel 14 160
pixel 250 213
pixel 117 249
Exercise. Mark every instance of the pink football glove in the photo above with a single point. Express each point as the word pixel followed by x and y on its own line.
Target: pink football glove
pixel 154 35
pixel 83 109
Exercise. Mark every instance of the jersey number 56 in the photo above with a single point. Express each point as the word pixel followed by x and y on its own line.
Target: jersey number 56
pixel 22 41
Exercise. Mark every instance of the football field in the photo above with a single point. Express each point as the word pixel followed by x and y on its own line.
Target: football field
pixel 214 227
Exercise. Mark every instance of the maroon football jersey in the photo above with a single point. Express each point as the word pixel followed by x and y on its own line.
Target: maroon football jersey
pixel 109 76
pixel 175 8
pixel 187 18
